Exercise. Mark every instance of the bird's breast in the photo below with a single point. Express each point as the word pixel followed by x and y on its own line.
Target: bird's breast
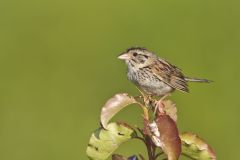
pixel 148 82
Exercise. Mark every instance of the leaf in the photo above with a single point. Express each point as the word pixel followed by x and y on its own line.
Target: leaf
pixel 196 148
pixel 170 109
pixel 167 136
pixel 120 157
pixel 104 142
pixel 114 105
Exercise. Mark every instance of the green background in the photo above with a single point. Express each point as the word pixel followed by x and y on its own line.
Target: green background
pixel 58 66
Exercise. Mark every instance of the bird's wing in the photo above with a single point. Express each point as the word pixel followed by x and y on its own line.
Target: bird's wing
pixel 169 74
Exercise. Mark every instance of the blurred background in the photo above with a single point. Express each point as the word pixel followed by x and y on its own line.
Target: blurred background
pixel 58 66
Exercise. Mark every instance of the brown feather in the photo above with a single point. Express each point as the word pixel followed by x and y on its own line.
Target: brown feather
pixel 170 75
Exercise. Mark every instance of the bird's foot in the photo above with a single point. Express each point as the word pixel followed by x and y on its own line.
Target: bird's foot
pixel 160 105
pixel 147 99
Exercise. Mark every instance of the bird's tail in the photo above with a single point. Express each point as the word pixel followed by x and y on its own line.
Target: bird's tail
pixel 197 80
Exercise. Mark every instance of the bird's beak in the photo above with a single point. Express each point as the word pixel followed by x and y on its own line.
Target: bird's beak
pixel 124 56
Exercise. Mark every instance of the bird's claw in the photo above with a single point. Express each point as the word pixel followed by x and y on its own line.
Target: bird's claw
pixel 159 105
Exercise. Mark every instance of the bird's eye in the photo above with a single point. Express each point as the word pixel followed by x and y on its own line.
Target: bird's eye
pixel 135 54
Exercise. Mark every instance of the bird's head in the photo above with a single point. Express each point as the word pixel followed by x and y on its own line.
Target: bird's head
pixel 137 57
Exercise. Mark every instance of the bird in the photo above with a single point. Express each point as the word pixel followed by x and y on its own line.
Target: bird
pixel 153 75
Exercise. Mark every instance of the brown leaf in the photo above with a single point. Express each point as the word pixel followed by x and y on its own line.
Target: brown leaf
pixel 114 105
pixel 169 138
pixel 195 147
pixel 170 109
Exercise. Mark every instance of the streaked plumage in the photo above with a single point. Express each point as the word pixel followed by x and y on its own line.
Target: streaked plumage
pixel 154 75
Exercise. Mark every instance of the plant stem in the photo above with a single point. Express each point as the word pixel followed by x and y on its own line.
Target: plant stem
pixel 141 157
pixel 149 148
pixel 157 155
pixel 141 139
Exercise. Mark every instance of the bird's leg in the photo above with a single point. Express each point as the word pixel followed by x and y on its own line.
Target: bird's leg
pixel 159 104
pixel 140 92
pixel 146 99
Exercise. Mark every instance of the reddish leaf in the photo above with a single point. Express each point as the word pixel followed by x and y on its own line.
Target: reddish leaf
pixel 170 109
pixel 114 105
pixel 169 138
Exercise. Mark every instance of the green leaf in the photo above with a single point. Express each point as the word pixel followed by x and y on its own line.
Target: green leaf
pixel 104 142
pixel 114 105
pixel 196 148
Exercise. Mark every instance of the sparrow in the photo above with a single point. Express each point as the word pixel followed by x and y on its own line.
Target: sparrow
pixel 154 75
